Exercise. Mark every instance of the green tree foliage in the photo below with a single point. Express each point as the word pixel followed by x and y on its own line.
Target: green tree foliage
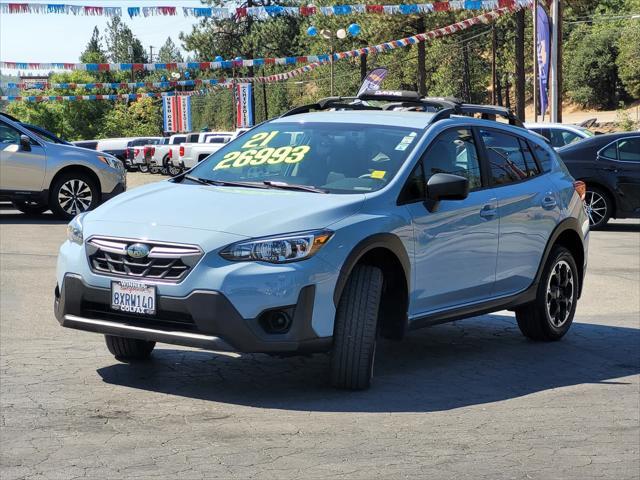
pixel 591 73
pixel 169 53
pixel 629 58
pixel 600 63
pixel 118 39
pixel 94 53
pixel 138 118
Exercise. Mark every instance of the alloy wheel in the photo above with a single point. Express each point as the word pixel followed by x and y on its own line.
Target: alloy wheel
pixel 596 207
pixel 174 171
pixel 75 196
pixel 560 292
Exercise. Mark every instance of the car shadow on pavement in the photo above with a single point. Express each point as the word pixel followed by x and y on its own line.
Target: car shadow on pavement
pixel 23 219
pixel 475 361
pixel 621 227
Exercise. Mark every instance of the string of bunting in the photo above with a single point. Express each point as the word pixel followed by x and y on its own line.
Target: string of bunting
pixel 120 96
pixel 259 13
pixel 484 18
pixel 112 85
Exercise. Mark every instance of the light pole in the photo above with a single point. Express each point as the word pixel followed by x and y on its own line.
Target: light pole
pixel 342 33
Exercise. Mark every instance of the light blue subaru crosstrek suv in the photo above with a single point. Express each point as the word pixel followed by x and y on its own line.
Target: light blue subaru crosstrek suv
pixel 331 226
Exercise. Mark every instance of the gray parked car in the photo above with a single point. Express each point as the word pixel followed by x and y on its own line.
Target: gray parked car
pixel 37 174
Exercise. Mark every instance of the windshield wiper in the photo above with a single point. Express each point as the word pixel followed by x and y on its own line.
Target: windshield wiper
pixel 224 183
pixel 294 186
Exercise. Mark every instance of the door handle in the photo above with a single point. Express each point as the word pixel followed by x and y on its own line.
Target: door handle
pixel 610 169
pixel 488 211
pixel 549 202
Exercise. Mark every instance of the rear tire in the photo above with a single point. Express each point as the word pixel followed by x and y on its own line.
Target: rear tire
pixel 550 316
pixel 355 331
pixel 73 193
pixel 129 349
pixel 143 168
pixel 599 207
pixel 154 170
pixel 174 171
pixel 29 208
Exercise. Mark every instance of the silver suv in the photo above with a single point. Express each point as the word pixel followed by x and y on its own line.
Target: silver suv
pixel 38 173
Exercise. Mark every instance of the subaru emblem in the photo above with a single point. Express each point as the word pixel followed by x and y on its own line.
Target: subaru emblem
pixel 138 250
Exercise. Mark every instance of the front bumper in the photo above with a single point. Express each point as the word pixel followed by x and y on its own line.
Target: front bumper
pixel 203 319
pixel 117 190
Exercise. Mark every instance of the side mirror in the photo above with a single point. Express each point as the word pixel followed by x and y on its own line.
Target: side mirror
pixel 25 143
pixel 445 186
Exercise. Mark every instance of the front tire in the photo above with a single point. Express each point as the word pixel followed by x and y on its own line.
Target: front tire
pixel 73 193
pixel 599 207
pixel 143 168
pixel 30 208
pixel 129 349
pixel 550 316
pixel 355 331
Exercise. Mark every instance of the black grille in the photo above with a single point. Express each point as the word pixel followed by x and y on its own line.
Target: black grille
pixel 166 262
pixel 156 268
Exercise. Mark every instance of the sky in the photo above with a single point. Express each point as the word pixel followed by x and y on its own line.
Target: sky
pixel 62 38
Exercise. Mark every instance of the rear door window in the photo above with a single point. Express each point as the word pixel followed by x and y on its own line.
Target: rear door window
pixel 508 163
pixel 629 149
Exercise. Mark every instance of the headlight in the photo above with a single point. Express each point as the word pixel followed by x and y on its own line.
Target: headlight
pixel 111 161
pixel 281 249
pixel 74 229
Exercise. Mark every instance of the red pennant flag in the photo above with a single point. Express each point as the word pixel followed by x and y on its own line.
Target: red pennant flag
pixel 441 6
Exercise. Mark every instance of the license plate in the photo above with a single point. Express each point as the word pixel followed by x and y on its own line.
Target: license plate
pixel 133 297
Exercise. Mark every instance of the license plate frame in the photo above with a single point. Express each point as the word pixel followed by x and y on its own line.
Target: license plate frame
pixel 132 296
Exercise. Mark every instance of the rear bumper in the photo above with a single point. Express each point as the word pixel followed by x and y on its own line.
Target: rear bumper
pixel 203 319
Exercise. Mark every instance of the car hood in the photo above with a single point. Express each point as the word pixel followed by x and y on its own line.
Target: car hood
pixel 190 211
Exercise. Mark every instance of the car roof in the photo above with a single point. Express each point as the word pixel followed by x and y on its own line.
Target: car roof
pixel 418 120
pixel 552 125
pixel 598 141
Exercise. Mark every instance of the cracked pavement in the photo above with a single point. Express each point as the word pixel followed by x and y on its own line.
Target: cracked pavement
pixel 467 400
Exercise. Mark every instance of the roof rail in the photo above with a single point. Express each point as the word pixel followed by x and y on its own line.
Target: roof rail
pixel 442 107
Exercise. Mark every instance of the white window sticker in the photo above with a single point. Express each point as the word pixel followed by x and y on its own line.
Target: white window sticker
pixel 406 141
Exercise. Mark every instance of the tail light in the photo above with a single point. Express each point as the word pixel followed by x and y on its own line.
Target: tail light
pixel 181 151
pixel 581 189
pixel 170 153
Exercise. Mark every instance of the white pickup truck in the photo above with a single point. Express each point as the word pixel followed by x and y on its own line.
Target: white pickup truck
pixel 157 156
pixel 189 154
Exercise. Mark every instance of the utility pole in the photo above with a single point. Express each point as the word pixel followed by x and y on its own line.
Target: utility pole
pixel 422 71
pixel 264 98
pixel 363 66
pixel 494 46
pixel 251 55
pixel 556 62
pixel 466 75
pixel 150 53
pixel 519 57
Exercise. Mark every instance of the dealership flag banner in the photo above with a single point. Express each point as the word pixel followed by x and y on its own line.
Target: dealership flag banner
pixel 373 80
pixel 543 49
pixel 244 107
pixel 177 113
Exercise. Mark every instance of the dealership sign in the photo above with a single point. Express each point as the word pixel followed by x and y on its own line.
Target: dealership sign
pixel 177 113
pixel 244 105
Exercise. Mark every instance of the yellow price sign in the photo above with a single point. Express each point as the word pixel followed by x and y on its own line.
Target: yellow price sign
pixel 265 155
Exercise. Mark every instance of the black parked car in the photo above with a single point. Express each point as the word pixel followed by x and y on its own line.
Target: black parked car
pixel 610 166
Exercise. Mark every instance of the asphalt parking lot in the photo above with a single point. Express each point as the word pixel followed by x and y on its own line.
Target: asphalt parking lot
pixel 472 399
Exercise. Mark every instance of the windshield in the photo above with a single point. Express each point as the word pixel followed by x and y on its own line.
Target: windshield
pixel 334 157
pixel 43 134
